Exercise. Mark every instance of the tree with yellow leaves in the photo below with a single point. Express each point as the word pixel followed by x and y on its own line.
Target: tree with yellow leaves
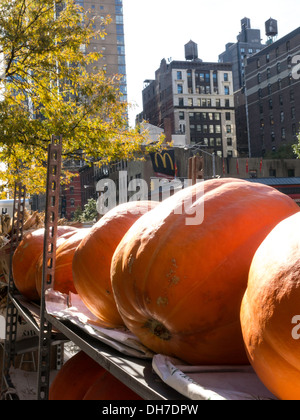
pixel 47 88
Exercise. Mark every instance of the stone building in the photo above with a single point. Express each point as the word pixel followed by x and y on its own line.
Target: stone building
pixel 193 99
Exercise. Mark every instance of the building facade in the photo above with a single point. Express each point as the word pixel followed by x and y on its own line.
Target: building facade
pixel 248 43
pixel 112 46
pixel 273 96
pixel 194 100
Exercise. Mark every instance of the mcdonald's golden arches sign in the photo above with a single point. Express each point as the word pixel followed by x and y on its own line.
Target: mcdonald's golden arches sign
pixel 164 163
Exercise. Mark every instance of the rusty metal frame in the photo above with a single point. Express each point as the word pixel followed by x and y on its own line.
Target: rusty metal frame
pixel 51 218
pixel 11 310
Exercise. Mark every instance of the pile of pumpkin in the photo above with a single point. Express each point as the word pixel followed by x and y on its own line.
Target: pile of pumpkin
pixel 223 291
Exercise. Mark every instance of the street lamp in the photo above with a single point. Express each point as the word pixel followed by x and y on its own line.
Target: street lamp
pixel 198 147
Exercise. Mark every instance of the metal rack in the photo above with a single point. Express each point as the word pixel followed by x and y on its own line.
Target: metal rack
pixel 10 348
pixel 136 373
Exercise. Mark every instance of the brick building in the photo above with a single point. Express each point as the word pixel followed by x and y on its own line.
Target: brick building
pixel 273 96
pixel 248 43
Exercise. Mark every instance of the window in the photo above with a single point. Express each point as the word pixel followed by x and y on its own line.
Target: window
pixel 260 93
pixel 261 107
pixel 227 103
pixel 283 133
pixel 282 116
pixel 181 115
pixel 229 141
pixel 293 113
pixel 190 81
pixel 228 116
pixel 278 67
pixel 268 73
pixel 271 104
pixel 225 77
pixel 190 101
pixel 179 75
pixel 226 90
pixel 179 89
pixel 280 100
pixel 291 173
pixel 228 128
pixel 259 78
pixel 181 102
pixel 258 63
pixel 120 29
pixel 269 89
pixel 268 58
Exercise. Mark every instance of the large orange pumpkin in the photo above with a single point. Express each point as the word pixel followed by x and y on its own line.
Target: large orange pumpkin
pixel 108 388
pixel 63 278
pixel 270 312
pixel 179 287
pixel 26 257
pixel 75 378
pixel 92 259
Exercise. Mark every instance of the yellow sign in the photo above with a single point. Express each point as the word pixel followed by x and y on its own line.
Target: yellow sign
pixel 164 160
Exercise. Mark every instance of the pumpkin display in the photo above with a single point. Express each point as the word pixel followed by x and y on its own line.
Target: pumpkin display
pixel 270 311
pixel 26 257
pixel 179 285
pixel 92 259
pixel 63 275
pixel 74 378
pixel 108 388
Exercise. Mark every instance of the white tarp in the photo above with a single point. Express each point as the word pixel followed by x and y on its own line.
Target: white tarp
pixel 211 382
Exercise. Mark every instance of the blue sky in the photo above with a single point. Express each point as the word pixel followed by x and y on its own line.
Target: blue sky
pixel 158 29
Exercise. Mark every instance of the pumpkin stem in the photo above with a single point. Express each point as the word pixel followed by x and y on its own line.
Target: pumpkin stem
pixel 158 329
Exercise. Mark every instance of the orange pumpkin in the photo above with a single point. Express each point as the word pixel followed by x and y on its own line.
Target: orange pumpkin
pixel 75 378
pixel 270 311
pixel 63 278
pixel 178 286
pixel 26 257
pixel 108 388
pixel 91 262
